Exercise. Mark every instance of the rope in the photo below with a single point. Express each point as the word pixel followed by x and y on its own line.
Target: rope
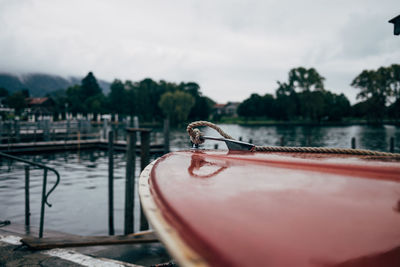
pixel 195 134
pixel 195 137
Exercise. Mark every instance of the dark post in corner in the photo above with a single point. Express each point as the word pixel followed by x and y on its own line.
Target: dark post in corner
pixel 166 135
pixel 130 175
pixel 144 161
pixel 130 180
pixel 111 183
pixel 396 22
pixel 27 208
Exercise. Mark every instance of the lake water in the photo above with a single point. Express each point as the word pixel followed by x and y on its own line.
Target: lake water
pixel 80 202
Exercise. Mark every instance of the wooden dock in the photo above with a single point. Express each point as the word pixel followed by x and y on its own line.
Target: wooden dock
pixel 70 145
pixel 13 253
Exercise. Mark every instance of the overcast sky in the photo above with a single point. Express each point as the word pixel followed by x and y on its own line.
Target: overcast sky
pixel 231 48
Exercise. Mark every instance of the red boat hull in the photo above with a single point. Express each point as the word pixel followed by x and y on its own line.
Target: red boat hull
pixel 259 209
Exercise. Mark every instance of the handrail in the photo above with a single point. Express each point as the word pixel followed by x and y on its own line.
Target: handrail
pixel 44 195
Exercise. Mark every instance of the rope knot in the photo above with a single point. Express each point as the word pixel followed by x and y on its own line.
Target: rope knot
pixel 195 137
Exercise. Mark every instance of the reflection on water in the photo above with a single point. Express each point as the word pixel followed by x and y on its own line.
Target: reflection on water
pixel 80 204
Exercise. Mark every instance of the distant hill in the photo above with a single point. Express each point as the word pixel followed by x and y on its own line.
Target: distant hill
pixel 42 84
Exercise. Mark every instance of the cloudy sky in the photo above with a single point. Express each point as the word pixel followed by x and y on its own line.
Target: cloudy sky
pixel 231 48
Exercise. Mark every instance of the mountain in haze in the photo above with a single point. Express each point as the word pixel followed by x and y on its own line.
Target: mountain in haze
pixel 42 84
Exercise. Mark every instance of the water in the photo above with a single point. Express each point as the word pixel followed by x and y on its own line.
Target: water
pixel 80 202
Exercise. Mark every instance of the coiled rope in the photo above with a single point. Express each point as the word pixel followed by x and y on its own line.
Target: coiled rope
pixel 195 136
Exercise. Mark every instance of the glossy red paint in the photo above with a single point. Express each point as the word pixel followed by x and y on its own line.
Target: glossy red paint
pixel 259 209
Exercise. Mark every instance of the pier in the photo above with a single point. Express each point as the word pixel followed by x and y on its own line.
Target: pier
pixel 13 252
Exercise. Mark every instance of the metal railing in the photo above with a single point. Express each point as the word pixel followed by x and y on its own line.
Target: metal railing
pixel 44 194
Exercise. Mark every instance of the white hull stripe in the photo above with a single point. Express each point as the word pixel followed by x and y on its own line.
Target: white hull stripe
pixel 71 255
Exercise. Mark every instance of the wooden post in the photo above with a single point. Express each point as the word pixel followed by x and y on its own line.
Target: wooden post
pixel 144 161
pixel 79 140
pixel 144 148
pixel 353 142
pixel 105 127
pixel 17 131
pixel 391 148
pixel 250 140
pixel 166 135
pixel 130 178
pixel 46 130
pixel 68 128
pixel 27 208
pixel 110 183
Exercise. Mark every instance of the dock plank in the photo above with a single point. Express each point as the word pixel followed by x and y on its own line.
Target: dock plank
pixel 83 241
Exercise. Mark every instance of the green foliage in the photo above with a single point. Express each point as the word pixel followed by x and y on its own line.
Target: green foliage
pixel 17 101
pixel 118 98
pixel 252 106
pixel 305 79
pixel 89 86
pixel 302 97
pixel 86 98
pixel 3 92
pixel 377 89
pixel 176 105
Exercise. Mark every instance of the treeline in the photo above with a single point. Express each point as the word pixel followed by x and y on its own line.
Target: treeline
pixel 304 97
pixel 143 99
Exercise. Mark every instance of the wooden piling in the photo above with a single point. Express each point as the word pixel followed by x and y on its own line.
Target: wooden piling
pixel 110 183
pixel 353 142
pixel 46 130
pixel 130 178
pixel 17 131
pixel 79 140
pixel 27 207
pixel 105 127
pixel 144 161
pixel 68 129
pixel 144 148
pixel 166 135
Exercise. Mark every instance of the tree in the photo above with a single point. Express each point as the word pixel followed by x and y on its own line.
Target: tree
pixel 17 101
pixel 299 95
pixel 252 106
pixel 176 106
pixel 375 90
pixel 336 106
pixel 3 92
pixel 86 98
pixel 117 98
pixel 394 83
pixel 287 102
pixel 89 86
pixel 74 100
pixel 305 79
